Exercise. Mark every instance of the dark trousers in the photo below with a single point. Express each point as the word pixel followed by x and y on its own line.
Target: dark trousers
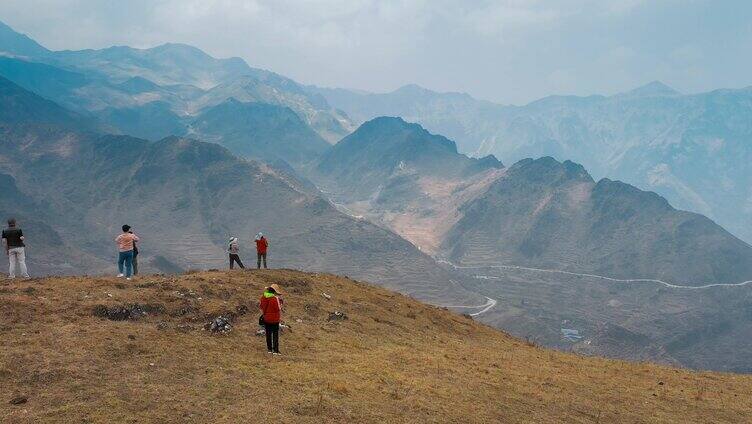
pixel 260 257
pixel 135 263
pixel 235 258
pixel 272 337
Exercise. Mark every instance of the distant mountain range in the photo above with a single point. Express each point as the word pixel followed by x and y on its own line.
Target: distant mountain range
pixel 535 213
pixel 548 244
pixel 124 86
pixel 694 149
pixel 185 198
pixel 611 229
pixel 259 130
pixel 95 138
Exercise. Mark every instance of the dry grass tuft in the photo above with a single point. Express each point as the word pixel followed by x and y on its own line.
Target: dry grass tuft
pixel 392 360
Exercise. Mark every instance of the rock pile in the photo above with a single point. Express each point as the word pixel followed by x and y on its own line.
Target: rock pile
pixel 221 324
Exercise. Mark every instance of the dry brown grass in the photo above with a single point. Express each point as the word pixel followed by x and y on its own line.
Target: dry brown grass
pixel 393 361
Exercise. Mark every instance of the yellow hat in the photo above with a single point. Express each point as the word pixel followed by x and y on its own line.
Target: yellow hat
pixel 277 289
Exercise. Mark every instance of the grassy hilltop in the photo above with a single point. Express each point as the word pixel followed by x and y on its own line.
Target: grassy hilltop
pixel 392 360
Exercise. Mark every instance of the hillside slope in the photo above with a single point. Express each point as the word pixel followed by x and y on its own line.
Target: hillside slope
pixel 186 198
pixel 547 214
pixel 398 174
pixel 47 250
pixel 392 360
pixel 692 149
pixel 259 131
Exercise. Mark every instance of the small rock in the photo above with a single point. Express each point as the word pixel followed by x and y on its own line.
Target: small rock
pixel 660 383
pixel 298 320
pixel 326 296
pixel 131 337
pixel 336 316
pixel 19 400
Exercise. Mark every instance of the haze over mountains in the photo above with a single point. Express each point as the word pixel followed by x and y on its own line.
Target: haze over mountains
pixel 182 79
pixel 692 149
pixel 390 168
pixel 186 198
pixel 96 138
pixel 553 216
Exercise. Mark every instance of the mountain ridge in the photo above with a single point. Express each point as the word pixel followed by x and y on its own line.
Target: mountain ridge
pixel 555 191
pixel 176 67
pixel 187 197
pixel 690 148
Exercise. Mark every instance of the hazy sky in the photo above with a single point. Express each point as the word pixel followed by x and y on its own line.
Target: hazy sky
pixel 509 51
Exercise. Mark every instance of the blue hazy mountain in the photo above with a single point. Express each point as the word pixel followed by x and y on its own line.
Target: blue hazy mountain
pixel 548 214
pixel 260 131
pixel 260 128
pixel 21 107
pixel 185 198
pixel 370 158
pixel 537 213
pixel 15 44
pixel 183 76
pixel 694 149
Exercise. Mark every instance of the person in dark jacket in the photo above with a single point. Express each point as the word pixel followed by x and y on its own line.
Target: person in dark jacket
pixel 271 306
pixel 261 246
pixel 134 263
pixel 13 239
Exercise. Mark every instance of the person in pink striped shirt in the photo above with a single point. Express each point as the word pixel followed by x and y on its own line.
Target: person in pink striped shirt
pixel 125 251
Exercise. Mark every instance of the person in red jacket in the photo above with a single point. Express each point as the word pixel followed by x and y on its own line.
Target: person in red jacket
pixel 261 245
pixel 271 307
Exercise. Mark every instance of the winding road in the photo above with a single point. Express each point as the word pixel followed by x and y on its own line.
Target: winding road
pixel 490 303
pixel 601 277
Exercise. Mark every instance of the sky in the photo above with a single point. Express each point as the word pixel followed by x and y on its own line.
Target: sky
pixel 507 51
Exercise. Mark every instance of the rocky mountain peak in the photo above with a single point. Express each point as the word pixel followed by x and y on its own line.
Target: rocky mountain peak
pixel 549 169
pixel 652 89
pixel 17 44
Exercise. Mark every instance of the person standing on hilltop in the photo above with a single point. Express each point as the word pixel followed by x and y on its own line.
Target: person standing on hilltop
pixel 125 243
pixel 271 307
pixel 135 257
pixel 261 246
pixel 233 248
pixel 13 239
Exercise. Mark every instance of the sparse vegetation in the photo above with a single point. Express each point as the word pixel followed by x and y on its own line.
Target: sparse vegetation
pixel 393 360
